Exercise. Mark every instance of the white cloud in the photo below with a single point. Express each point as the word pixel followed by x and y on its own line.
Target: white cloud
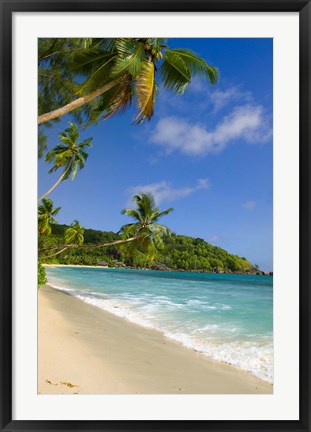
pixel 221 98
pixel 163 191
pixel 249 205
pixel 246 123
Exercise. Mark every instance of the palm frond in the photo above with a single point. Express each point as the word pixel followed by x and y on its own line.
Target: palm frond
pixel 72 132
pixel 74 234
pixel 195 64
pixel 174 72
pixel 165 212
pixel 114 101
pixel 145 90
pixel 87 60
pixel 160 230
pixel 86 143
pixel 100 76
pixel 120 98
pixel 131 54
pixel 132 213
pixel 158 43
pixel 129 230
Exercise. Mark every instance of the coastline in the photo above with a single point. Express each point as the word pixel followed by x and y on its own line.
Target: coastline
pixel 147 269
pixel 86 350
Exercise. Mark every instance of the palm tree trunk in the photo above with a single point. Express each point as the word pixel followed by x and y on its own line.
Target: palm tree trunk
pixel 76 103
pixel 57 182
pixel 50 248
pixel 56 253
pixel 89 246
pixel 115 242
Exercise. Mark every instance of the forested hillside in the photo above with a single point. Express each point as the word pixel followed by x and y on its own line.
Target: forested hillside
pixel 179 253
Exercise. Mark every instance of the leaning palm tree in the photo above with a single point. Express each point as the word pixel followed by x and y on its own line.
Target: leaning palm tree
pixel 146 230
pixel 46 216
pixel 74 236
pixel 145 234
pixel 69 155
pixel 117 70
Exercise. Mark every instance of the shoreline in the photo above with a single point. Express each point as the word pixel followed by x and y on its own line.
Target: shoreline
pixel 158 270
pixel 86 350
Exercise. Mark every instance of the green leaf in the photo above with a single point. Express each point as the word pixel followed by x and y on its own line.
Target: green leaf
pixel 175 75
pixel 131 54
pixel 195 64
pixel 145 89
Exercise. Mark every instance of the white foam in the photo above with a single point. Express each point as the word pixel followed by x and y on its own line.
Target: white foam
pixel 256 358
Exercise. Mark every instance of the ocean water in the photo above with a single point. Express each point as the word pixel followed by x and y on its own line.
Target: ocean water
pixel 227 317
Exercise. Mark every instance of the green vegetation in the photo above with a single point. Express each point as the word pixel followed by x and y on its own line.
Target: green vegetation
pixel 46 213
pixel 146 229
pixel 41 275
pixel 97 78
pixel 69 155
pixel 178 253
pixel 143 236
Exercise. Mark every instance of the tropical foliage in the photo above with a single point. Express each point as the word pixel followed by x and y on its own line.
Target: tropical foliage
pixel 145 235
pixel 96 78
pixel 46 216
pixel 146 229
pixel 74 235
pixel 41 275
pixel 179 252
pixel 70 155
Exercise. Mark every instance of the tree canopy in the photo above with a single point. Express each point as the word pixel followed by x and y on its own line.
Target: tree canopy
pixel 97 78
pixel 179 252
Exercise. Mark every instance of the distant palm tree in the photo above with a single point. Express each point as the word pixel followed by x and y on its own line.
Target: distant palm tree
pixel 69 155
pixel 145 234
pixel 117 70
pixel 146 230
pixel 74 235
pixel 46 214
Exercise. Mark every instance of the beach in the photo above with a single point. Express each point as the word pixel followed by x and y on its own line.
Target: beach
pixel 83 349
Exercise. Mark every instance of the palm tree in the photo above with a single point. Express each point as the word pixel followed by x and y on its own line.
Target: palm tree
pixel 117 70
pixel 75 234
pixel 46 214
pixel 56 83
pixel 146 230
pixel 145 234
pixel 69 155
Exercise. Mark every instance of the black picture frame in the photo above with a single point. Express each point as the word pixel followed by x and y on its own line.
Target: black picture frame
pixel 7 9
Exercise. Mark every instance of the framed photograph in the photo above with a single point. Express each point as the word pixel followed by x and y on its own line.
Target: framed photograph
pixel 155 215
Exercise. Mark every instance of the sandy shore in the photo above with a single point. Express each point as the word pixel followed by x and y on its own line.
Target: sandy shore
pixel 85 350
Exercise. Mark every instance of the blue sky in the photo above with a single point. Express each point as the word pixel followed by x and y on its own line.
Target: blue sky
pixel 207 153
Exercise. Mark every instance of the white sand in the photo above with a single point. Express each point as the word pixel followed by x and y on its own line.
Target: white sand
pixel 100 353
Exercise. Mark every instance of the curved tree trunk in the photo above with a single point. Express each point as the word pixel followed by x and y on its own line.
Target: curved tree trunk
pixel 56 253
pixel 57 182
pixel 76 103
pixel 87 246
pixel 115 242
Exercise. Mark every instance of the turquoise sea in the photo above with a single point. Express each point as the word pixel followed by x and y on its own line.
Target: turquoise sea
pixel 227 317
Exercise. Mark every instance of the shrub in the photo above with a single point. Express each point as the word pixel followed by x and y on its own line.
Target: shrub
pixel 41 275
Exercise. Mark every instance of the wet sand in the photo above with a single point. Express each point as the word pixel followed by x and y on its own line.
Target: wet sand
pixel 83 349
